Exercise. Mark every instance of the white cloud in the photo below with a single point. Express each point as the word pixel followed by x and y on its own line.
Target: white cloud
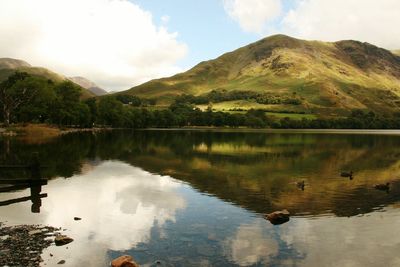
pixel 367 240
pixel 251 245
pixel 368 20
pixel 112 42
pixel 165 19
pixel 119 205
pixel 253 15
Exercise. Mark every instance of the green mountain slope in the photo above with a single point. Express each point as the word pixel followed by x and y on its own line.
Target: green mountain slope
pixel 8 66
pixel 328 79
pixel 11 63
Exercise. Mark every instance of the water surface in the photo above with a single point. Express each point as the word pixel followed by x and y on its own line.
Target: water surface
pixel 197 198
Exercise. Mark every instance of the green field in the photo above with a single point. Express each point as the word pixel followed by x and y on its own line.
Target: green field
pixel 279 111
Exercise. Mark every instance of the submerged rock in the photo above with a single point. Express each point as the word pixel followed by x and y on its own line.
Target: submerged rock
pixel 62 240
pixel 278 217
pixel 124 261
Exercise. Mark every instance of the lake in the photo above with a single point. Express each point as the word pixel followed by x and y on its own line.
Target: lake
pixel 197 198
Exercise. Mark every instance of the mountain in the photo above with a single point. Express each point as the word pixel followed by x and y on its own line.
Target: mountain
pixel 325 78
pixel 396 52
pixel 9 65
pixel 89 85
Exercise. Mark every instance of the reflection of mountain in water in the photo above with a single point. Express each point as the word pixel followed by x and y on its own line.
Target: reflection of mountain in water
pixel 254 170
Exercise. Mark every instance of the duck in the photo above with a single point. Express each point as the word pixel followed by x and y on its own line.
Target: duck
pixel 347 174
pixel 301 185
pixel 383 187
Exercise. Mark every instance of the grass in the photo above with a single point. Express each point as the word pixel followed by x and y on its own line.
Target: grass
pixel 279 111
pixel 244 105
pixel 34 133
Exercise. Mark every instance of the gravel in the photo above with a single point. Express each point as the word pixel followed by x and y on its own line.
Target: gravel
pixel 22 245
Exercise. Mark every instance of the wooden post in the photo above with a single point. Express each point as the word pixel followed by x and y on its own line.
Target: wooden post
pixel 35 167
pixel 35 188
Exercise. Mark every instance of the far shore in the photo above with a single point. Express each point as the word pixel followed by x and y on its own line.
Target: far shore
pixel 42 132
pixel 37 133
pixel 270 130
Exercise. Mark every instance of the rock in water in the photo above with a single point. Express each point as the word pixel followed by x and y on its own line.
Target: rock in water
pixel 77 218
pixel 124 261
pixel 62 240
pixel 278 217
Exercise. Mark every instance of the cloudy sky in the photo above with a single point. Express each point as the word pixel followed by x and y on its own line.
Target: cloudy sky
pixel 121 43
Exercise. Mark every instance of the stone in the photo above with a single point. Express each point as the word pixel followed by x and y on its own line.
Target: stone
pixel 61 262
pixel 61 240
pixel 4 237
pixel 278 217
pixel 159 263
pixel 77 218
pixel 35 232
pixel 124 261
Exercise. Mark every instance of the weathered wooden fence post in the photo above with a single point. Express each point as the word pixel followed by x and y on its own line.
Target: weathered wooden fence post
pixel 35 167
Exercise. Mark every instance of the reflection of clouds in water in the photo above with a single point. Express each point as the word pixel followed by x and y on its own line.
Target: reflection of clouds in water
pixel 119 204
pixel 251 244
pixel 371 240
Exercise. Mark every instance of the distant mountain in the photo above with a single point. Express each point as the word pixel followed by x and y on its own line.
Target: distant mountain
pixel 396 52
pixel 89 85
pixel 8 66
pixel 11 63
pixel 327 79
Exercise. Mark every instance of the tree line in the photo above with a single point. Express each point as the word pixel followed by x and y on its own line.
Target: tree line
pixel 26 98
pixel 217 96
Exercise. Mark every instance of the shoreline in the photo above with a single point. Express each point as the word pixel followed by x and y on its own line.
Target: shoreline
pixel 40 132
pixel 37 133
pixel 283 131
pixel 23 245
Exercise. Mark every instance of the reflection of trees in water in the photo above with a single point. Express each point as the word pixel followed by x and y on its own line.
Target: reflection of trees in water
pixel 62 156
pixel 253 170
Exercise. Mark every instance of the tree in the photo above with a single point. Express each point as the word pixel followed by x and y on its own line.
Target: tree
pixel 64 108
pixel 92 104
pixel 37 109
pixel 111 112
pixel 14 92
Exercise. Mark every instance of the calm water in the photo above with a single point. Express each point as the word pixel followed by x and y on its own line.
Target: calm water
pixel 192 198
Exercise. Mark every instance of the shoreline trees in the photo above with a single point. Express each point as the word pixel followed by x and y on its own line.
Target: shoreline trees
pixel 26 98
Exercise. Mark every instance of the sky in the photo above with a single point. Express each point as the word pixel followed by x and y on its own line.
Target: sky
pixel 122 43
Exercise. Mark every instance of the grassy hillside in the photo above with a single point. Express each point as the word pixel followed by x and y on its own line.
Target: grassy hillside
pixel 329 79
pixel 11 63
pixel 8 66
